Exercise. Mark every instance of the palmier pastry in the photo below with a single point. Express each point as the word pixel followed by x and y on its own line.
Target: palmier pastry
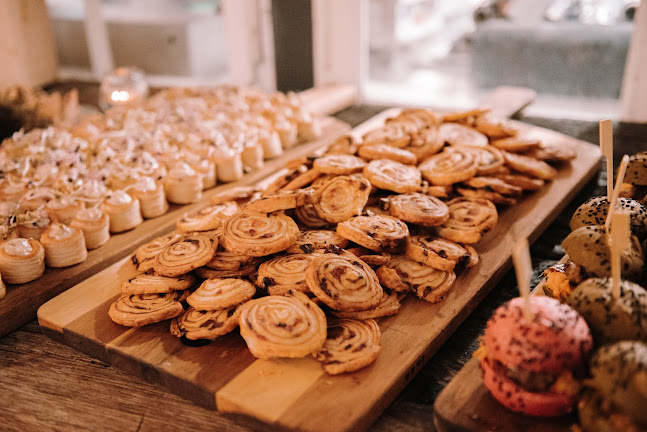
pixel 493 184
pixel 350 345
pixel 342 197
pixel 182 184
pixel 393 176
pixel 257 234
pixel 284 273
pixel 384 151
pixel 196 324
pixel 144 256
pixel 308 216
pixel 468 220
pixel 302 180
pixel 216 294
pixel 225 260
pixel 375 232
pixel 418 209
pixel 64 246
pixel 339 164
pixel 390 305
pixel 530 166
pixel 489 159
pixel 438 253
pixel 122 210
pixel 232 194
pixel 426 282
pixel 494 128
pixel 95 225
pixel 458 135
pixel 312 240
pixel 242 271
pixel 150 284
pixel 21 260
pixel 343 282
pixel 344 144
pixel 134 310
pixel 151 196
pixel 426 142
pixel 282 200
pixel 207 218
pixel 452 165
pixel 516 145
pixel 282 326
pixel 188 253
pixel 394 134
pixel 64 209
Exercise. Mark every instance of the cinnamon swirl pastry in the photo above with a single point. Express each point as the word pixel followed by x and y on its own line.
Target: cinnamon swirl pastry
pixel 343 282
pixel 375 232
pixel 383 151
pixel 426 142
pixel 458 135
pixel 135 310
pixel 95 226
pixel 290 326
pixel 344 144
pixel 389 305
pixel 230 261
pixel 516 145
pixel 489 159
pixel 284 273
pixel 237 193
pixel 207 218
pixel 182 184
pixel 339 164
pixel 188 253
pixel 393 134
pixel 150 284
pixel 452 165
pixel 468 220
pixel 426 282
pixel 418 209
pixel 21 260
pixel 342 197
pixel 394 176
pixel 64 246
pixel 350 345
pixel 282 200
pixel 216 294
pixel 308 216
pixel 144 256
pixel 438 253
pixel 312 240
pixel 530 166
pixel 122 210
pixel 257 234
pixel 197 324
pixel 494 128
pixel 151 196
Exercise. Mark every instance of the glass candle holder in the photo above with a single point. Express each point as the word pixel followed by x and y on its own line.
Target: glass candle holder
pixel 124 86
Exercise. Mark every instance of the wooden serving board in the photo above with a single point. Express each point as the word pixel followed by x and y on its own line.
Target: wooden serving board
pixel 296 394
pixel 20 304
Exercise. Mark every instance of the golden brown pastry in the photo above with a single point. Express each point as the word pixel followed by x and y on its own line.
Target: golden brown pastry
pixel 383 151
pixel 197 324
pixel 312 240
pixel 376 233
pixel 389 305
pixel 95 225
pixel 182 184
pixel 394 176
pixel 144 256
pixel 341 198
pixel 530 166
pixel 339 164
pixel 21 260
pixel 284 273
pixel 146 283
pixel 438 253
pixel 151 196
pixel 426 282
pixel 459 135
pixel 64 209
pixel 418 209
pixel 188 253
pixel 452 165
pixel 207 218
pixel 468 220
pixel 135 310
pixel 256 234
pixel 214 294
pixel 282 200
pixel 64 246
pixel 123 211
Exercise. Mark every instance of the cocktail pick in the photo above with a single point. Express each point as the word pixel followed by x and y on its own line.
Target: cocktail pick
pixel 616 191
pixel 619 241
pixel 523 269
pixel 606 145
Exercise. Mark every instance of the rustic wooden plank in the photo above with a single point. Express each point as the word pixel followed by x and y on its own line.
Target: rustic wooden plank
pixel 328 99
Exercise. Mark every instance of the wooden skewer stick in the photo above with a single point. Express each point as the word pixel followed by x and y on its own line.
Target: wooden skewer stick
pixel 523 269
pixel 616 191
pixel 606 145
pixel 619 241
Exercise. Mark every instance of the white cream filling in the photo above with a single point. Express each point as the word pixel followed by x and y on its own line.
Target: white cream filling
pixel 18 247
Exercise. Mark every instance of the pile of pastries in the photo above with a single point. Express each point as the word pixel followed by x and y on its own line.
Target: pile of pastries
pixel 65 189
pixel 333 242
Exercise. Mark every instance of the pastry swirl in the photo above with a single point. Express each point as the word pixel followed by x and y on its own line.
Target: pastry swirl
pixel 284 273
pixel 426 282
pixel 395 134
pixel 309 217
pixel 452 165
pixel 350 345
pixel 418 209
pixel 282 200
pixel 282 326
pixel 375 232
pixel 144 256
pixel 344 144
pixel 257 234
pixel 343 282
pixel 242 271
pixel 468 220
pixel 342 197
pixel 225 260
pixel 339 164
pixel 135 310
pixel 152 284
pixel 312 240
pixel 489 159
pixel 197 324
pixel 458 135
pixel 214 294
pixel 389 305
pixel 64 246
pixel 426 142
pixel 21 260
pixel 207 218
pixel 384 151
pixel 437 252
pixel 394 176
pixel 188 253
pixel 529 165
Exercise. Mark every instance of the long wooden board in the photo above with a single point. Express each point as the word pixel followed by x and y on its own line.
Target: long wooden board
pixel 20 304
pixel 296 394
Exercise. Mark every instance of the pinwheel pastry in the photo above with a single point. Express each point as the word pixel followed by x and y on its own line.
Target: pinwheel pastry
pixel 123 211
pixel 389 305
pixel 95 225
pixel 440 253
pixel 403 274
pixel 341 198
pixel 376 233
pixel 458 135
pixel 531 166
pixel 344 144
pixel 350 345
pixel 232 194
pixel 468 220
pixel 307 215
pixel 284 273
pixel 312 240
pixel 425 142
pixel 21 260
pixel 489 159
pixel 146 283
pixel 418 209
pixel 452 165
pixel 207 218
pixel 188 253
pixel 151 196
pixel 344 282
pixel 64 245
pixel 182 184
pixel 394 134
pixel 282 326
pixel 216 294
pixel 282 200
pixel 134 310
pixel 144 256
pixel 197 324
pixel 339 164
pixel 394 176
pixel 257 234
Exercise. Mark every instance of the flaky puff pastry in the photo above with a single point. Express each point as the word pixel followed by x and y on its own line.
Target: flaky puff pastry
pixel 403 274
pixel 182 184
pixel 341 198
pixel 197 324
pixel 21 260
pixel 256 234
pixel 64 209
pixel 64 246
pixel 151 196
pixel 188 253
pixel 95 225
pixel 122 210
pixel 207 218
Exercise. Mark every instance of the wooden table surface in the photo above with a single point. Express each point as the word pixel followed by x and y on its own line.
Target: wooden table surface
pixel 47 386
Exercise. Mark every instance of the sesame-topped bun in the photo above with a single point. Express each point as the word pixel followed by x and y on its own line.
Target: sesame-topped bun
pixel 528 364
pixel 610 319
pixel 636 173
pixel 615 399
pixel 587 246
pixel 594 212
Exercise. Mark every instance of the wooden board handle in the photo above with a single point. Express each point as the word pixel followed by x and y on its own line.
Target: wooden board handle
pixel 506 101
